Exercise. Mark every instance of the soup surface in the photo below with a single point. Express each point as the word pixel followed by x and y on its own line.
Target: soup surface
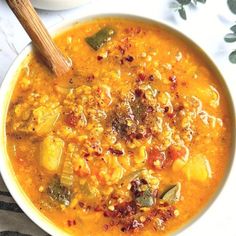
pixel 135 139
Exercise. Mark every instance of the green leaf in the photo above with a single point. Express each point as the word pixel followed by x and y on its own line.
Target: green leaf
pixel 232 57
pixel 233 28
pixel 201 1
pixel 229 38
pixel 175 5
pixel 145 199
pixel 182 13
pixel 173 194
pixel 232 5
pixel 184 2
pixel 58 192
pixel 97 40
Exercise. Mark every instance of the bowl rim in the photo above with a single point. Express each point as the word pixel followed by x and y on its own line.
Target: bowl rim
pixel 6 89
pixel 58 5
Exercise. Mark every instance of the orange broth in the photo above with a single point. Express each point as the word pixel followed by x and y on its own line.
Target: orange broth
pixel 97 150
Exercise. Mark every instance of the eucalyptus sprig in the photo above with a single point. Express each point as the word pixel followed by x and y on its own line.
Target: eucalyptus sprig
pixel 230 38
pixel 179 5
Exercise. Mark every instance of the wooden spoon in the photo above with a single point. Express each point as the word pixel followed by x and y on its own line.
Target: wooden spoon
pixel 41 39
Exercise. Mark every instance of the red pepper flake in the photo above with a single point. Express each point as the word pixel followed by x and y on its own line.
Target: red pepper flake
pixel 121 61
pixel 99 91
pixel 141 77
pixel 99 58
pixel 171 115
pixel 173 80
pixel 115 152
pixel 166 109
pixel 86 155
pixel 151 77
pixel 129 58
pixel 122 50
pixel 106 227
pixel 112 223
pixel 71 81
pixel 97 154
pixel 133 30
pixel 69 223
pixel 71 119
pixel 81 204
pixel 97 208
pixel 90 78
pixel 179 108
pixel 138 92
pixel 124 209
pixel 150 109
pixel 139 136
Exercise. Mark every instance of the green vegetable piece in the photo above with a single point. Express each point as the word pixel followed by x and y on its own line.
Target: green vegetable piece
pixel 58 192
pixel 97 40
pixel 145 199
pixel 173 194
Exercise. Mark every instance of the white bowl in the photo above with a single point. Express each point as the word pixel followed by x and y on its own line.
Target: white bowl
pixel 6 91
pixel 55 5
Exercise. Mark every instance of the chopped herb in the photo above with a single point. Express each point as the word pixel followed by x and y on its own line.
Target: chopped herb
pixel 120 126
pixel 145 199
pixel 142 198
pixel 58 192
pixel 172 195
pixel 97 40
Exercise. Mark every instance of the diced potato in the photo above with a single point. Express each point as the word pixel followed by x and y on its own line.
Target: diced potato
pixel 178 164
pixel 46 118
pixel 198 168
pixel 51 152
pixel 142 155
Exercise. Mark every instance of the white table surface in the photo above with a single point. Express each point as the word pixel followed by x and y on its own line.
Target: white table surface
pixel 206 25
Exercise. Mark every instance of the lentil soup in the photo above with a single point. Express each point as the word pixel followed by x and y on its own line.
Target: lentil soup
pixel 118 145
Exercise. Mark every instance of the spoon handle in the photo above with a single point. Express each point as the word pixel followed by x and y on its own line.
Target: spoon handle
pixel 32 24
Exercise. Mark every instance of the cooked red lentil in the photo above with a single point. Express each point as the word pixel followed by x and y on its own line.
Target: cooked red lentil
pixel 134 140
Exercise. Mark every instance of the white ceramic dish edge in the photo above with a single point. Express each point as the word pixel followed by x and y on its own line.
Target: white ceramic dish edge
pixel 5 95
pixel 56 5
